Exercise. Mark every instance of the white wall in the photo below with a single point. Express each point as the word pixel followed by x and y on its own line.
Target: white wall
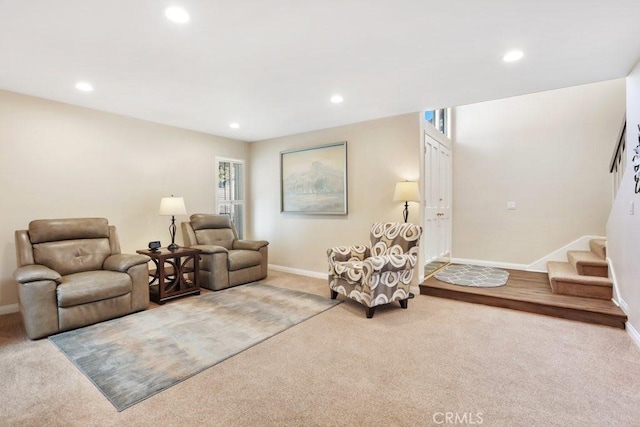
pixel 549 152
pixel 379 153
pixel 62 161
pixel 623 229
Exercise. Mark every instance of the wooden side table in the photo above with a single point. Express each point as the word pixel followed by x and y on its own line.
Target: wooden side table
pixel 176 273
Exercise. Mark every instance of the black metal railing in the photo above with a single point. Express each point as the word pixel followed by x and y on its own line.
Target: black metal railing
pixel 619 159
pixel 618 154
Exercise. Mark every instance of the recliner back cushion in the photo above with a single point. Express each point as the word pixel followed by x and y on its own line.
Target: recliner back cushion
pixel 211 236
pixel 207 221
pixel 72 256
pixel 213 230
pixel 53 230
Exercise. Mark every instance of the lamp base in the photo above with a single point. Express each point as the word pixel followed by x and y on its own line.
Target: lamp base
pixel 172 233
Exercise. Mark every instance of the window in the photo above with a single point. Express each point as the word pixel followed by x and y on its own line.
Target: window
pixel 430 116
pixel 230 192
pixel 439 119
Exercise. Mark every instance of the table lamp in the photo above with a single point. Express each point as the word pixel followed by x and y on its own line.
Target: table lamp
pixel 172 206
pixel 406 191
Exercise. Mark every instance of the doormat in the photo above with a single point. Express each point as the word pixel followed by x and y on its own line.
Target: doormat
pixel 473 275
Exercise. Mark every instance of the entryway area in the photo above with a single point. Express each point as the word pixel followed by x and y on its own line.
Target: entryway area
pixel 530 291
pixel 437 202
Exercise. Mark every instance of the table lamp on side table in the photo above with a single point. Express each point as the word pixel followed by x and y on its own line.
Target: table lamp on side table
pixel 172 206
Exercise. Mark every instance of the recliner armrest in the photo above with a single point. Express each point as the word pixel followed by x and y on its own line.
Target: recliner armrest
pixel 252 245
pixel 34 273
pixel 210 249
pixel 123 262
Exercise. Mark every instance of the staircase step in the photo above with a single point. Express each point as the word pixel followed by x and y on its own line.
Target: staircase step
pixel 565 280
pixel 587 263
pixel 599 247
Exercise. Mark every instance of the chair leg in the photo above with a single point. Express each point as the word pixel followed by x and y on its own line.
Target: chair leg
pixel 370 311
pixel 404 303
pixel 334 294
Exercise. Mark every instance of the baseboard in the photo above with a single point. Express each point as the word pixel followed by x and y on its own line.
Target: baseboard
pixel 298 271
pixel 483 263
pixel 633 333
pixel 581 244
pixel 9 308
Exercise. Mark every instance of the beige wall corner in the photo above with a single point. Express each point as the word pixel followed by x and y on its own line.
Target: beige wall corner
pixel 379 153
pixel 62 161
pixel 549 153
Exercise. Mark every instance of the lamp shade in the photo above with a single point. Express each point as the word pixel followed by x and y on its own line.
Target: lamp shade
pixel 406 191
pixel 172 206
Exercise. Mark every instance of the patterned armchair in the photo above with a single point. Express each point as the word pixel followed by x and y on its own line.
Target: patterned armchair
pixel 379 273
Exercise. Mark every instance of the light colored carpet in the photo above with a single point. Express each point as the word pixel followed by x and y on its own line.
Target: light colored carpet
pixel 134 357
pixel 473 275
pixel 401 368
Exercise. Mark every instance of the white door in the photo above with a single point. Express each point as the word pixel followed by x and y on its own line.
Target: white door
pixel 437 199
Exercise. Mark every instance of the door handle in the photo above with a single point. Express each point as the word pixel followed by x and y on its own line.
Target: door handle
pixel 439 214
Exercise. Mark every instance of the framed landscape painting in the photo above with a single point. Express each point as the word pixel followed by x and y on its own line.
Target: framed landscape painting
pixel 314 180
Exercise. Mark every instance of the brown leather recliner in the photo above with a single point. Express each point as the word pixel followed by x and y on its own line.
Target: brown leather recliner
pixel 71 274
pixel 225 260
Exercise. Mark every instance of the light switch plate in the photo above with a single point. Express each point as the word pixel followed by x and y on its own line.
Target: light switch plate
pixel 511 206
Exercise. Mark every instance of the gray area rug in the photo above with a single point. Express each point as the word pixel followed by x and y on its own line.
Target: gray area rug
pixel 134 357
pixel 473 275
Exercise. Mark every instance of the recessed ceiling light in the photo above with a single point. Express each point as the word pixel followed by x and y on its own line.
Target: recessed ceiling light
pixel 234 125
pixel 337 99
pixel 176 14
pixel 84 86
pixel 513 55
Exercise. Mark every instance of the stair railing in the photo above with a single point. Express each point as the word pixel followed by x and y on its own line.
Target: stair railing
pixel 619 159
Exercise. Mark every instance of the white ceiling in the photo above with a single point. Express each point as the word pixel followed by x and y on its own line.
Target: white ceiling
pixel 272 65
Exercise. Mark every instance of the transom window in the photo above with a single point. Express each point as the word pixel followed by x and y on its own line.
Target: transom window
pixel 440 119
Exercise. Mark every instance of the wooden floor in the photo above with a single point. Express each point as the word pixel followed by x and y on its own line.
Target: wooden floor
pixel 529 291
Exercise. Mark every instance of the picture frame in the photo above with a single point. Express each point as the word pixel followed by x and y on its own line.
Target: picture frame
pixel 313 181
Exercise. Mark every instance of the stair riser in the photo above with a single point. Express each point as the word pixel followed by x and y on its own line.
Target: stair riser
pixel 592 270
pixel 581 290
pixel 586 274
pixel 598 249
